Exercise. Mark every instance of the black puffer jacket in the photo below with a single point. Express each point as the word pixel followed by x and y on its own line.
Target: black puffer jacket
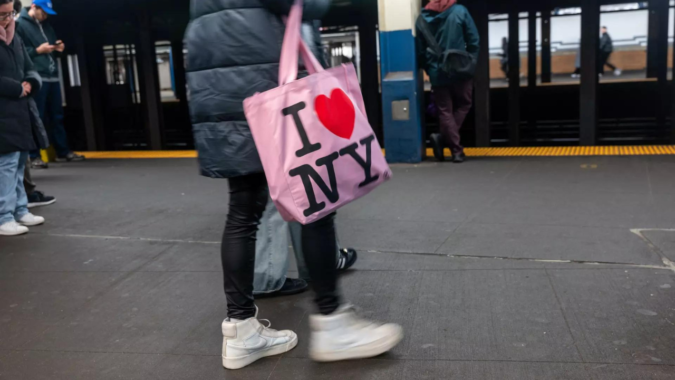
pixel 234 48
pixel 16 131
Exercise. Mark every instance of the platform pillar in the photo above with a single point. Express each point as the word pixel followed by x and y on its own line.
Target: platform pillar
pixel 402 82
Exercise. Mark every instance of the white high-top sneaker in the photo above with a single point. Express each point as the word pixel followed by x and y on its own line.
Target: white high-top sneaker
pixel 244 342
pixel 343 336
pixel 12 229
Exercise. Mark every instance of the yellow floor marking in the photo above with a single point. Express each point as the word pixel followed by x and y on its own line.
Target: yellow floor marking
pixel 648 150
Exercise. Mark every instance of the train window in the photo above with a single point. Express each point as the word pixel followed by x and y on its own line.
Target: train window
pixel 565 45
pixel 498 39
pixel 624 49
pixel 671 37
pixel 165 71
pixel 341 45
pixel 121 68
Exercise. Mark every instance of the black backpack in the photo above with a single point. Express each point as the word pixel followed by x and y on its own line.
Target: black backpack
pixel 456 64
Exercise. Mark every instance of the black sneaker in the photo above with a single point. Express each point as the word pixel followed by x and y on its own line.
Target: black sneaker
pixel 459 158
pixel 437 146
pixel 348 257
pixel 71 157
pixel 291 286
pixel 38 198
pixel 37 163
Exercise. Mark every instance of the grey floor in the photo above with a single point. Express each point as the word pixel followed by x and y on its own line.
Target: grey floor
pixel 498 269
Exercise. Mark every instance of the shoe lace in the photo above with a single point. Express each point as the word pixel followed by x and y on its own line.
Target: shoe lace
pixel 269 324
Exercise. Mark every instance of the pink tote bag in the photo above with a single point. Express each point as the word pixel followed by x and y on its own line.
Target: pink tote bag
pixel 316 146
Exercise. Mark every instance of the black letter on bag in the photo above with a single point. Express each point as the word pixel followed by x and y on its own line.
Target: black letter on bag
pixel 307 147
pixel 351 150
pixel 308 174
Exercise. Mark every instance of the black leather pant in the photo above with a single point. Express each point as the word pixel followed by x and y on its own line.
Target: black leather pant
pixel 248 198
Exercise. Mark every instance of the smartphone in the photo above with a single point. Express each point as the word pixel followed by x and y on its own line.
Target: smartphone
pixel 58 43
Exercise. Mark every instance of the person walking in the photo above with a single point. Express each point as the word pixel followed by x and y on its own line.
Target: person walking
pixel 44 49
pixel 220 76
pixel 606 50
pixel 18 81
pixel 449 27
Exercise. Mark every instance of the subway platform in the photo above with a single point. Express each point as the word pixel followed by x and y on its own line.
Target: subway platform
pixel 504 268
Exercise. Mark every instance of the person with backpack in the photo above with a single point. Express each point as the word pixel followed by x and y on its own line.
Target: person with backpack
pixel 448 45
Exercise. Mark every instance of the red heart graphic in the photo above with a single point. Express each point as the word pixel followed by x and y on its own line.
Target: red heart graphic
pixel 336 113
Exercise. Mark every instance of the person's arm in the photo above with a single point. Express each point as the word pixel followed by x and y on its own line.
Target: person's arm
pixel 471 36
pixel 421 49
pixel 30 75
pixel 10 88
pixel 30 49
pixel 312 9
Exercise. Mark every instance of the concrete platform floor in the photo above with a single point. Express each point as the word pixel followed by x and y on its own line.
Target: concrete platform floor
pixel 498 269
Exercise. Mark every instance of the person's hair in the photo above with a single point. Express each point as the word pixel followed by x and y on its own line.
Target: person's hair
pixel 604 27
pixel 3 2
pixel 17 6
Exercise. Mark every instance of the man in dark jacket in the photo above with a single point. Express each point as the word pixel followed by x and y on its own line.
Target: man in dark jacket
pixel 18 81
pixel 44 49
pixel 606 50
pixel 234 47
pixel 453 29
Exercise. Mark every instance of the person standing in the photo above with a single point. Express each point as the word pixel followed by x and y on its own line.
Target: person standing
pixel 44 49
pixel 452 27
pixel 606 50
pixel 18 81
pixel 220 77
pixel 35 198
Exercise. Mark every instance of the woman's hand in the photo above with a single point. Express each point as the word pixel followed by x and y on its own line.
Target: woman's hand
pixel 27 88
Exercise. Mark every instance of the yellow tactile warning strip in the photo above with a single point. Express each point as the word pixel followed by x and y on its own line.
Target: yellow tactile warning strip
pixel 646 150
pixel 140 154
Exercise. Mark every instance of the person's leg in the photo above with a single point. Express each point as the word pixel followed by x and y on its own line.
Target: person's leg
pixel 603 61
pixel 319 245
pixel 21 208
pixel 337 332
pixel 9 164
pixel 446 118
pixel 28 183
pixel 41 102
pixel 462 98
pixel 296 241
pixel 245 339
pixel 271 252
pixel 55 110
pixel 248 197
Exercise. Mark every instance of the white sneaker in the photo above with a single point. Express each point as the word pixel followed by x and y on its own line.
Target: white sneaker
pixel 12 229
pixel 245 342
pixel 31 220
pixel 343 336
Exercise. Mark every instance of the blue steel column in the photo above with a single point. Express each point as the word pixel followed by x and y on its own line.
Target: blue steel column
pixel 402 82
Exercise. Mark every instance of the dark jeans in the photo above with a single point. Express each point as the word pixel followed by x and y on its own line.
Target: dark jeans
pixel 604 61
pixel 50 105
pixel 248 198
pixel 454 103
pixel 28 183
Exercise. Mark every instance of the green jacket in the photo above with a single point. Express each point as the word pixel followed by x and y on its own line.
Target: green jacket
pixel 34 35
pixel 454 29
